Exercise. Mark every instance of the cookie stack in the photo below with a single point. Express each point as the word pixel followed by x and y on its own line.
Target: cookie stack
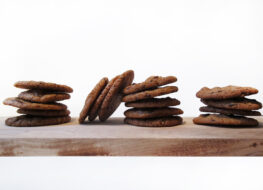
pixel 228 106
pixel 105 97
pixel 148 111
pixel 39 104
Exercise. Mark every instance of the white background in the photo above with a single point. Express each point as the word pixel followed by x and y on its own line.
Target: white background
pixel 203 43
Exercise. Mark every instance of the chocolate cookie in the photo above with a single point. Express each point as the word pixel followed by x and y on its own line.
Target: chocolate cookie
pixel 218 119
pixel 93 95
pixel 96 106
pixel 42 96
pixel 157 122
pixel 236 104
pixel 40 85
pixel 115 95
pixel 154 103
pixel 44 113
pixel 227 92
pixel 151 82
pixel 149 94
pixel 152 113
pixel 30 121
pixel 19 103
pixel 229 111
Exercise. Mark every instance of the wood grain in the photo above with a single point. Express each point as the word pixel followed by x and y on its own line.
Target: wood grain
pixel 114 138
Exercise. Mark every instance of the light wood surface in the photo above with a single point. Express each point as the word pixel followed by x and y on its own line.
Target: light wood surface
pixel 114 138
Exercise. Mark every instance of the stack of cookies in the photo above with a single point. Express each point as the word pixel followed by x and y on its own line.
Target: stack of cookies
pixel 39 104
pixel 105 97
pixel 148 111
pixel 228 106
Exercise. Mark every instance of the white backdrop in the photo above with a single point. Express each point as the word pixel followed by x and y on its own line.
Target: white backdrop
pixel 211 43
pixel 77 42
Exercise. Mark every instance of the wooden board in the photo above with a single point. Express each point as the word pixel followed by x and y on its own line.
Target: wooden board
pixel 114 138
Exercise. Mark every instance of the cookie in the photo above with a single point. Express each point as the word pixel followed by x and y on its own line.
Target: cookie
pixel 30 121
pixel 91 98
pixel 42 96
pixel 44 113
pixel 224 120
pixel 229 111
pixel 40 85
pixel 149 94
pixel 95 107
pixel 236 104
pixel 19 103
pixel 219 93
pixel 151 82
pixel 152 113
pixel 157 122
pixel 154 103
pixel 113 98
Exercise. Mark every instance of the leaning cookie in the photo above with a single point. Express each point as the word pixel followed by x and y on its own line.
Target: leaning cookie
pixel 224 120
pixel 41 96
pixel 151 82
pixel 149 94
pixel 229 111
pixel 157 122
pixel 152 113
pixel 40 85
pixel 97 104
pixel 113 98
pixel 91 98
pixel 30 121
pixel 219 93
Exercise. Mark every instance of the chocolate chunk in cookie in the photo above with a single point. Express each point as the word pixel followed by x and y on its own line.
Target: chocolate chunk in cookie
pixel 219 93
pixel 152 112
pixel 113 98
pixel 40 85
pixel 236 104
pixel 151 82
pixel 224 120
pixel 42 96
pixel 93 95
pixel 157 122
pixel 44 113
pixel 31 121
pixel 229 111
pixel 19 103
pixel 154 103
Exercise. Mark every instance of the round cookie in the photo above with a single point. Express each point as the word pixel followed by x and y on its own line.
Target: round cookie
pixel 96 106
pixel 91 98
pixel 157 122
pixel 30 121
pixel 152 113
pixel 219 93
pixel 113 98
pixel 151 82
pixel 19 103
pixel 149 94
pixel 42 96
pixel 44 113
pixel 154 103
pixel 224 120
pixel 236 104
pixel 229 111
pixel 40 85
